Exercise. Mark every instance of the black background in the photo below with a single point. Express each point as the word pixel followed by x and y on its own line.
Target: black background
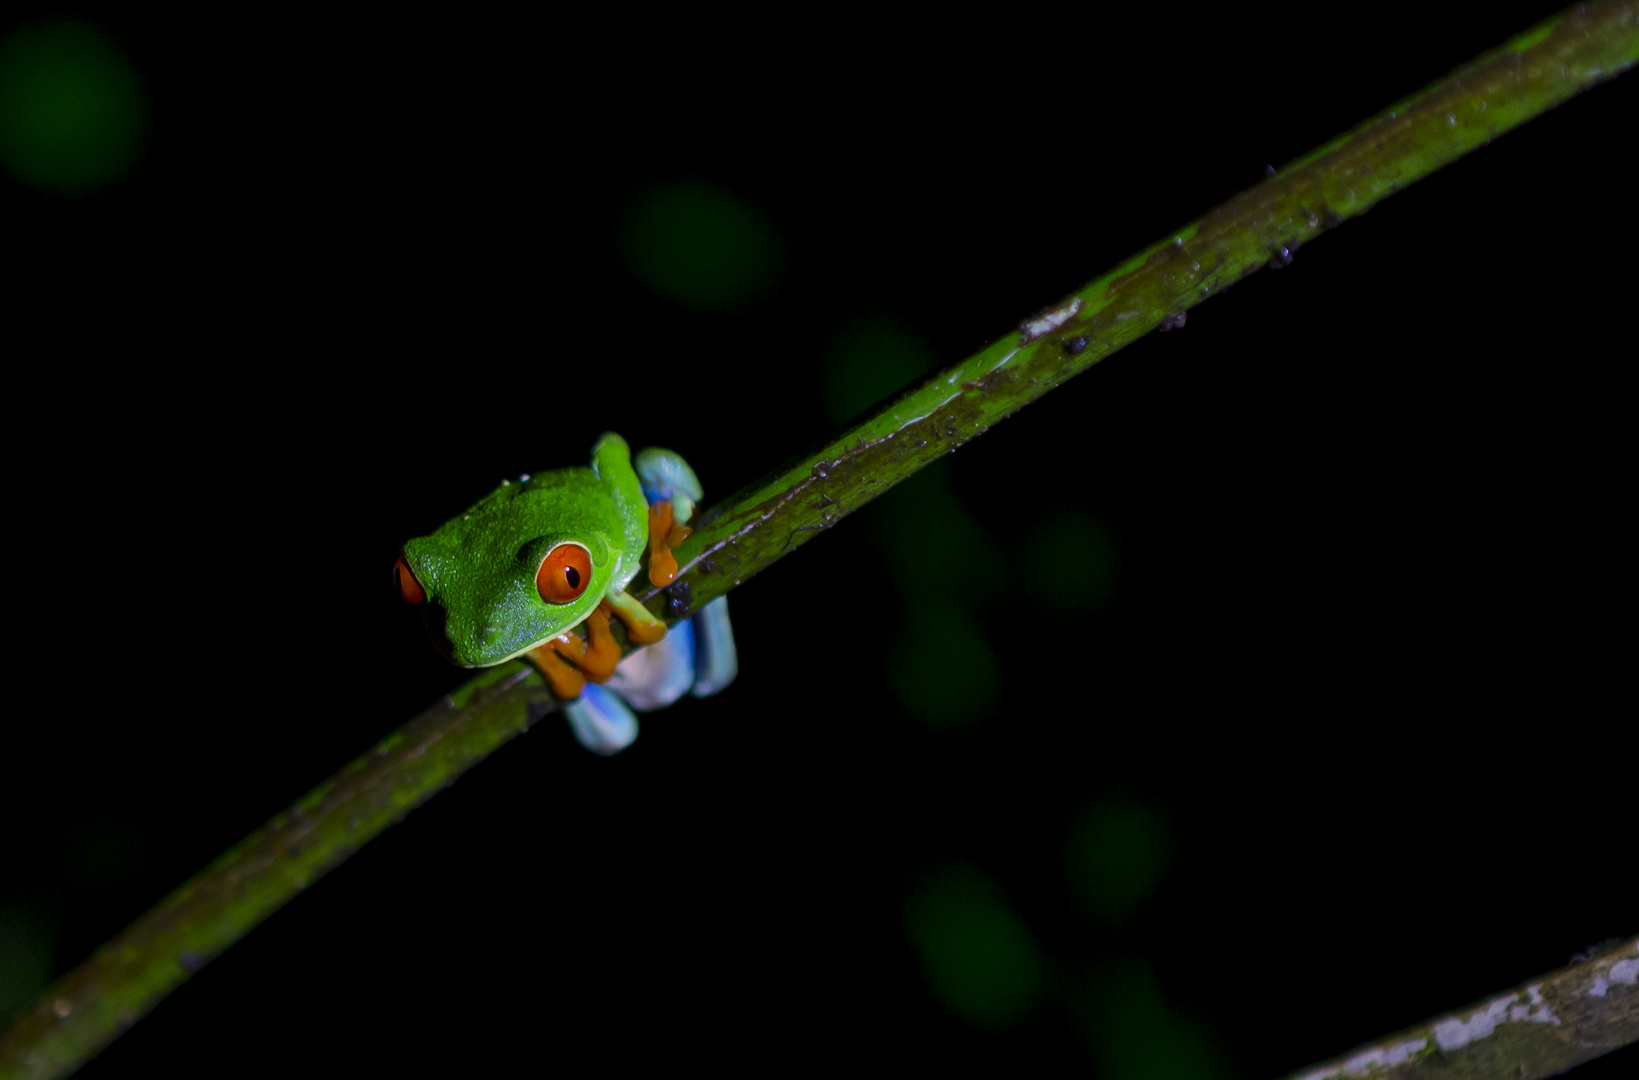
pixel 1363 653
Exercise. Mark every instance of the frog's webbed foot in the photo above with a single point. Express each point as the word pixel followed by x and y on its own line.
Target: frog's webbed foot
pixel 564 679
pixel 664 535
pixel 568 662
pixel 641 627
pixel 672 491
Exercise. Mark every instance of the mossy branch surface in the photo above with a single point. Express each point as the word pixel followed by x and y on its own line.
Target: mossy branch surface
pixel 1153 289
pixel 1543 1028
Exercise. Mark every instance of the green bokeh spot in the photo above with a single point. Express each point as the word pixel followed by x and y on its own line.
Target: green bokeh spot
pixel 979 958
pixel 870 360
pixel 1117 855
pixel 699 246
pixel 71 108
pixel 944 672
pixel 1080 560
pixel 934 545
pixel 1136 1036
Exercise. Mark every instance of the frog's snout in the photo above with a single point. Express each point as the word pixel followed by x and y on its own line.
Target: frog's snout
pixel 468 642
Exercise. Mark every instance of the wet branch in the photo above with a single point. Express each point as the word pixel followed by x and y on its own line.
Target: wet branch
pixel 1525 77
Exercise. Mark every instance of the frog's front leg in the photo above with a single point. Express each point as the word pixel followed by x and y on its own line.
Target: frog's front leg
pixel 564 679
pixel 568 663
pixel 573 667
pixel 641 627
pixel 672 491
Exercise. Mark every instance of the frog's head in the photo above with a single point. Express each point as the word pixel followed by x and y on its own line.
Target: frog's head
pixel 506 576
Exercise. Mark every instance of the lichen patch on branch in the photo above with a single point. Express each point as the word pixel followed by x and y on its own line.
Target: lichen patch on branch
pixel 1376 1057
pixel 1454 1034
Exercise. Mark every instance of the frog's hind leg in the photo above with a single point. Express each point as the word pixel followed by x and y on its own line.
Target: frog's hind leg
pixel 601 721
pixel 697 656
pixel 654 677
pixel 716 661
pixel 666 477
pixel 672 491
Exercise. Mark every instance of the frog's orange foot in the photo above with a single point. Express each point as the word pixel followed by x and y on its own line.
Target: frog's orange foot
pixel 597 654
pixel 568 663
pixel 604 652
pixel 664 534
pixel 641 627
pixel 562 678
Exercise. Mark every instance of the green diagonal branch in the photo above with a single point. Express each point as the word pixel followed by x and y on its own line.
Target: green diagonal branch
pixel 1525 77
pixel 1155 287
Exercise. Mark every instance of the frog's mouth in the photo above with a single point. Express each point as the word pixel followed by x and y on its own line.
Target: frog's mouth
pixel 434 618
pixel 488 654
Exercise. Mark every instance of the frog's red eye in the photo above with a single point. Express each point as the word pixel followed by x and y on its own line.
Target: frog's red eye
pixel 564 573
pixel 408 586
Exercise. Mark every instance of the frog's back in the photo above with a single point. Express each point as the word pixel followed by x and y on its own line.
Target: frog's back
pixel 544 502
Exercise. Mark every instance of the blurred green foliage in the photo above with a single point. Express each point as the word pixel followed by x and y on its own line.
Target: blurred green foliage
pixel 868 361
pixel 980 959
pixel 942 669
pixel 1135 1035
pixel 26 948
pixel 1117 854
pixel 72 109
pixel 935 546
pixel 92 854
pixel 1080 558
pixel 941 666
pixel 701 247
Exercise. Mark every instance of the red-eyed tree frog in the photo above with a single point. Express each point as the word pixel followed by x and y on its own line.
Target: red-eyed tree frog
pixel 535 559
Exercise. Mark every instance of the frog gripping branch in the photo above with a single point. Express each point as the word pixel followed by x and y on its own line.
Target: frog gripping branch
pixel 538 559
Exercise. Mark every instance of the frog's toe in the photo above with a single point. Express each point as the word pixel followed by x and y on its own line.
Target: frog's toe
pixel 664 535
pixel 655 676
pixel 601 721
pixel 641 627
pixel 716 661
